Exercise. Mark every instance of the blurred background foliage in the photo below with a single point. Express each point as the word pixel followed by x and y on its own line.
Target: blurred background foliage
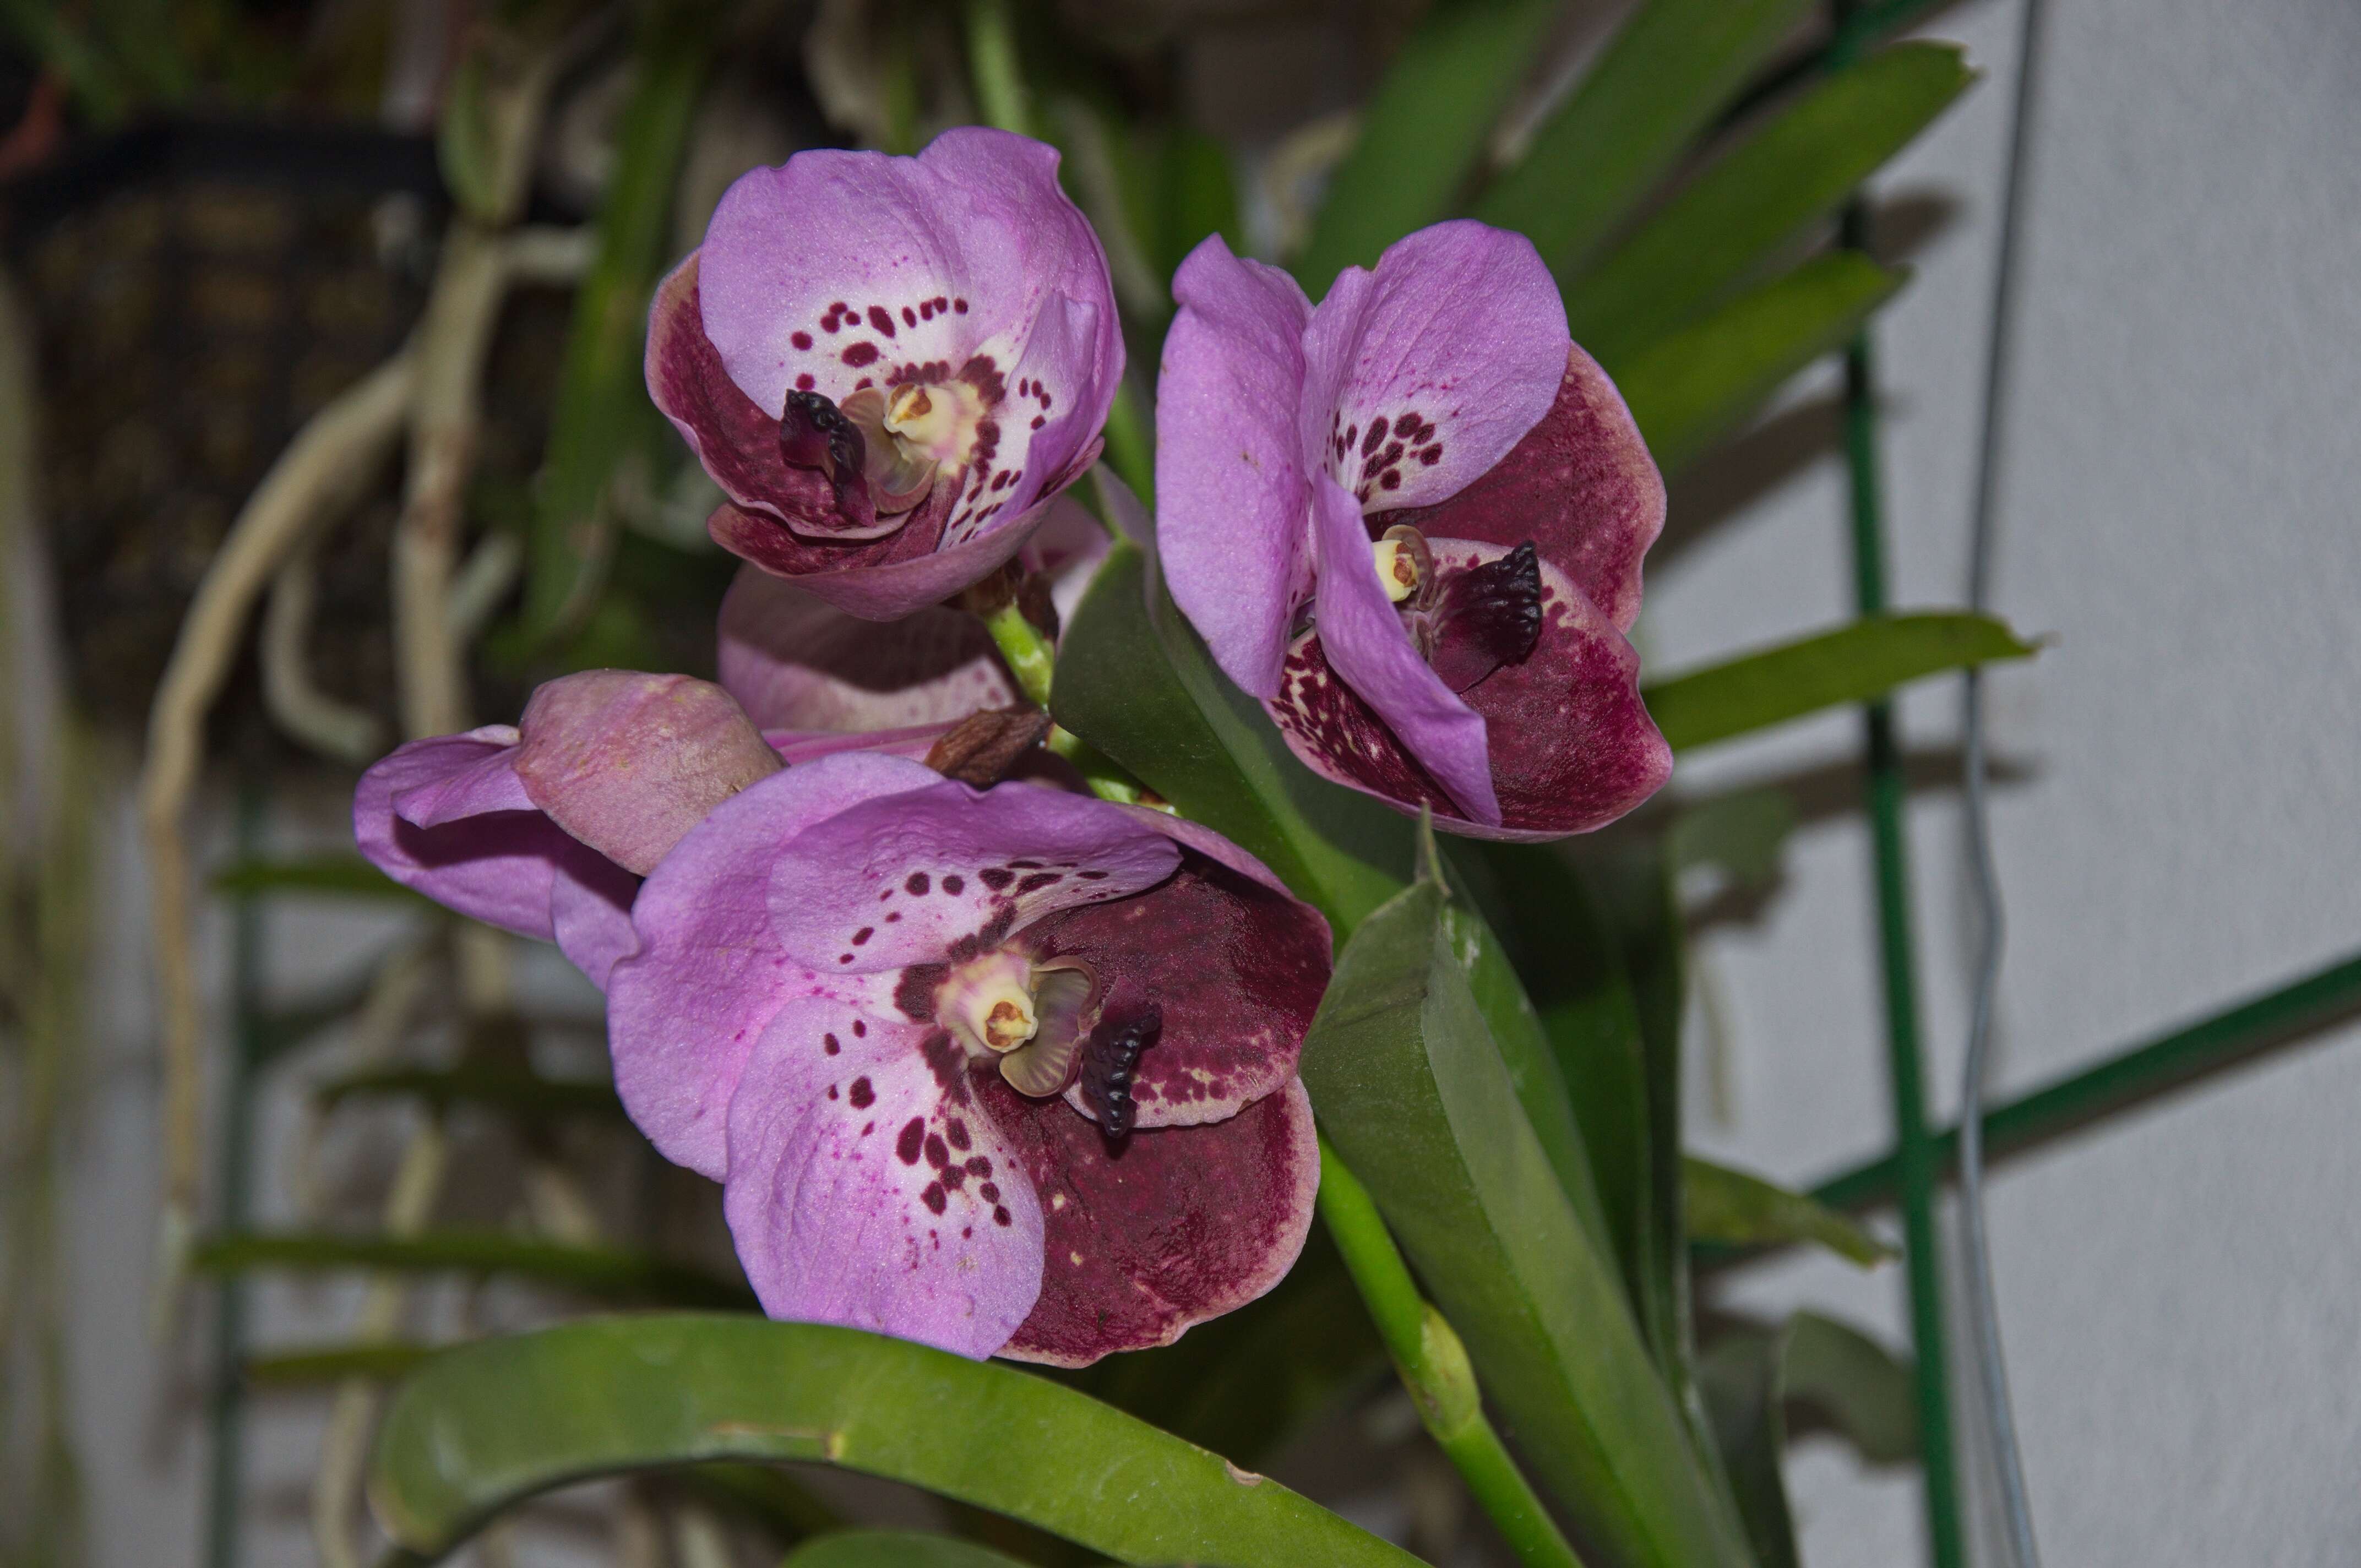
pixel 423 234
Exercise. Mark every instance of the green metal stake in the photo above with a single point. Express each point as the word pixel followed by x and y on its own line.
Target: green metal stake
pixel 1914 1149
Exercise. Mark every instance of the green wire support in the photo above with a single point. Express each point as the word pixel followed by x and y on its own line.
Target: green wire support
pixel 2127 1079
pixel 1913 1148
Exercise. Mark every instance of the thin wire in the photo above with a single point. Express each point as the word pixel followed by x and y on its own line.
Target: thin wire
pixel 1984 1313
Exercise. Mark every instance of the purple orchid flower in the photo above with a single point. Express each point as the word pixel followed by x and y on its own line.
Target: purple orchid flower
pixel 1411 520
pixel 890 364
pixel 544 829
pixel 1005 1072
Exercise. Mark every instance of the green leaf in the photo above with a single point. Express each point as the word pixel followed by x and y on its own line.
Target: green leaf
pixel 1659 84
pixel 1743 1395
pixel 335 876
pixel 1200 194
pixel 1516 1030
pixel 383 1361
pixel 1423 131
pixel 601 419
pixel 1829 669
pixel 484 1427
pixel 603 1273
pixel 1747 1380
pixel 1738 1210
pixel 1134 681
pixel 1410 1088
pixel 894 1549
pixel 1859 1387
pixel 1761 195
pixel 1742 834
pixel 1688 389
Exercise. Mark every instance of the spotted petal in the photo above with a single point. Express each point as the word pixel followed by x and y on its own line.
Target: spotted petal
pixel 945 870
pixel 1580 484
pixel 684 1012
pixel 1422 375
pixel 1171 1227
pixel 1235 963
pixel 863 1188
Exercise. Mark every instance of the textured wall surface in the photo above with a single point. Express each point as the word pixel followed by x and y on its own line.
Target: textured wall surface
pixel 2181 1290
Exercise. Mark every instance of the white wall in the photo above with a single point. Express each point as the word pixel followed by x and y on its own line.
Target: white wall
pixel 2179 1289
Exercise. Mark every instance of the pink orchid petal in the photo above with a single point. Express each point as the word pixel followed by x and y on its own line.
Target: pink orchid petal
pixel 895 882
pixel 865 1190
pixel 478 853
pixel 684 1010
pixel 1422 375
pixel 796 662
pixel 1230 476
pixel 1177 1225
pixel 629 763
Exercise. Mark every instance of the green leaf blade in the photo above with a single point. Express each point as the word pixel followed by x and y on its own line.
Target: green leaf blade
pixel 1411 1088
pixel 1663 80
pixel 1760 196
pixel 894 1549
pixel 1735 1209
pixel 1423 131
pixel 1858 662
pixel 1688 389
pixel 487 1426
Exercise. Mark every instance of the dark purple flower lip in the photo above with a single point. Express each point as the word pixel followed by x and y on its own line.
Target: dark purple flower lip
pixel 885 449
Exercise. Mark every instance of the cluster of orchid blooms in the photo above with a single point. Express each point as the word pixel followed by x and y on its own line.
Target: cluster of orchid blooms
pixel 983 1060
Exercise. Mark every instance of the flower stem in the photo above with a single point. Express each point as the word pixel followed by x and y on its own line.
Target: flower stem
pixel 1434 1369
pixel 992 59
pixel 1032 657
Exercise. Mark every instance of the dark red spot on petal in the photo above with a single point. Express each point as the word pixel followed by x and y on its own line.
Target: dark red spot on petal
pixel 801 340
pixel 829 1044
pixel 861 354
pixel 959 305
pixel 1039 879
pixel 956 1130
pixel 914 1134
pixel 933 1197
pixel 882 323
pixel 918 882
pixel 954 885
pixel 864 935
pixel 989 1191
pixel 995 877
pixel 1390 479
pixel 804 383
pixel 864 1097
pixel 909 317
pixel 1376 436
pixel 832 1092
pixel 1430 456
pixel 937 1155
pixel 1000 1216
pixel 859 1029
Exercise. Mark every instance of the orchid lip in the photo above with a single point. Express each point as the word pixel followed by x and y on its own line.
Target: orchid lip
pixel 1465 622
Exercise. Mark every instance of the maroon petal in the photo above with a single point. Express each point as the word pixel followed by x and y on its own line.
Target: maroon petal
pixel 1571 744
pixel 1236 968
pixel 1146 1237
pixel 1581 486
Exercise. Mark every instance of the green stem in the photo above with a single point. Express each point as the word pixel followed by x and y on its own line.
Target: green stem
pixel 1434 1369
pixel 1032 658
pixel 992 59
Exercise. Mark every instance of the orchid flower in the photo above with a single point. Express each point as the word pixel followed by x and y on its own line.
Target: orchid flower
pixel 1411 520
pixel 544 829
pixel 890 364
pixel 1005 1072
